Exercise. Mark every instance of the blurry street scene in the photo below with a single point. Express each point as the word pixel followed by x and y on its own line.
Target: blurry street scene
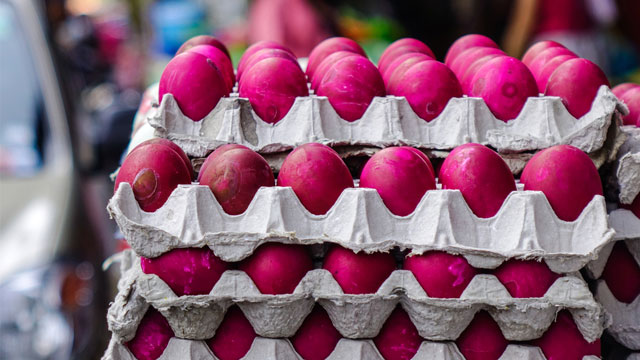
pixel 77 78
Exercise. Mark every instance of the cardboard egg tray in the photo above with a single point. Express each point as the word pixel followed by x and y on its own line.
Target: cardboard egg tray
pixel 390 121
pixel 360 316
pixel 627 166
pixel 281 349
pixel 525 227
pixel 625 326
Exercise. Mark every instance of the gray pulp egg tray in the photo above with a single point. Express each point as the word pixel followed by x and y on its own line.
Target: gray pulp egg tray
pixel 360 316
pixel 625 325
pixel 347 349
pixel 390 121
pixel 525 227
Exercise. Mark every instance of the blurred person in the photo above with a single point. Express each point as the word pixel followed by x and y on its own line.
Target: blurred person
pixel 576 24
pixel 295 24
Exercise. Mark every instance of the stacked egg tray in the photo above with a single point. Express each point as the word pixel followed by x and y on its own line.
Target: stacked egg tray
pixel 390 121
pixel 625 327
pixel 525 227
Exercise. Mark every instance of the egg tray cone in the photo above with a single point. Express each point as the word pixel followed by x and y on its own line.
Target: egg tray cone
pixel 389 121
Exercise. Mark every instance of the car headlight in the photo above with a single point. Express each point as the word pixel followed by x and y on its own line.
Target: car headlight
pixel 38 310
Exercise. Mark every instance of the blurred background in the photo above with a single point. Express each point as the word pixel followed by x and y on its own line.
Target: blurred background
pixel 72 75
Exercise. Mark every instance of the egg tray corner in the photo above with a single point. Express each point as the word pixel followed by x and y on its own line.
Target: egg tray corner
pixel 281 349
pixel 362 316
pixel 525 227
pixel 389 121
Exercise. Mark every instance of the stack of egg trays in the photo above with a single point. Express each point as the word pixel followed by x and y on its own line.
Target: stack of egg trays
pixel 389 121
pixel 525 227
pixel 625 327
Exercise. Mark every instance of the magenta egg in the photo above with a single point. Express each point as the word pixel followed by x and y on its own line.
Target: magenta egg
pixel 482 339
pixel 441 275
pixel 191 271
pixel 399 338
pixel 576 82
pixel 358 273
pixel 328 47
pixel 277 268
pixel 317 175
pixel 401 47
pixel 350 85
pixel 152 336
pixel 525 278
pixel 465 42
pixel 317 337
pixel 563 340
pixel 505 84
pixel 272 86
pixel 400 176
pixel 195 82
pixel 481 175
pixel 233 337
pixel 428 86
pixel 234 176
pixel 154 169
pixel 567 177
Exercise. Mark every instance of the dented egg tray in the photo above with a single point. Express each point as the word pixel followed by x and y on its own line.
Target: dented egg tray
pixel 346 349
pixel 625 324
pixel 628 165
pixel 360 316
pixel 389 121
pixel 525 227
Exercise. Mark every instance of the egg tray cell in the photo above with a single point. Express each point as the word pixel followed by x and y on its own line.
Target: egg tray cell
pixel 281 349
pixel 354 316
pixel 525 227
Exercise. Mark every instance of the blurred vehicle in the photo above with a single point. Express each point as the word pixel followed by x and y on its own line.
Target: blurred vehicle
pixel 51 300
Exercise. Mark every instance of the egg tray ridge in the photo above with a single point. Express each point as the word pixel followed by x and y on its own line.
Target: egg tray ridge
pixel 389 121
pixel 525 227
pixel 281 349
pixel 354 316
